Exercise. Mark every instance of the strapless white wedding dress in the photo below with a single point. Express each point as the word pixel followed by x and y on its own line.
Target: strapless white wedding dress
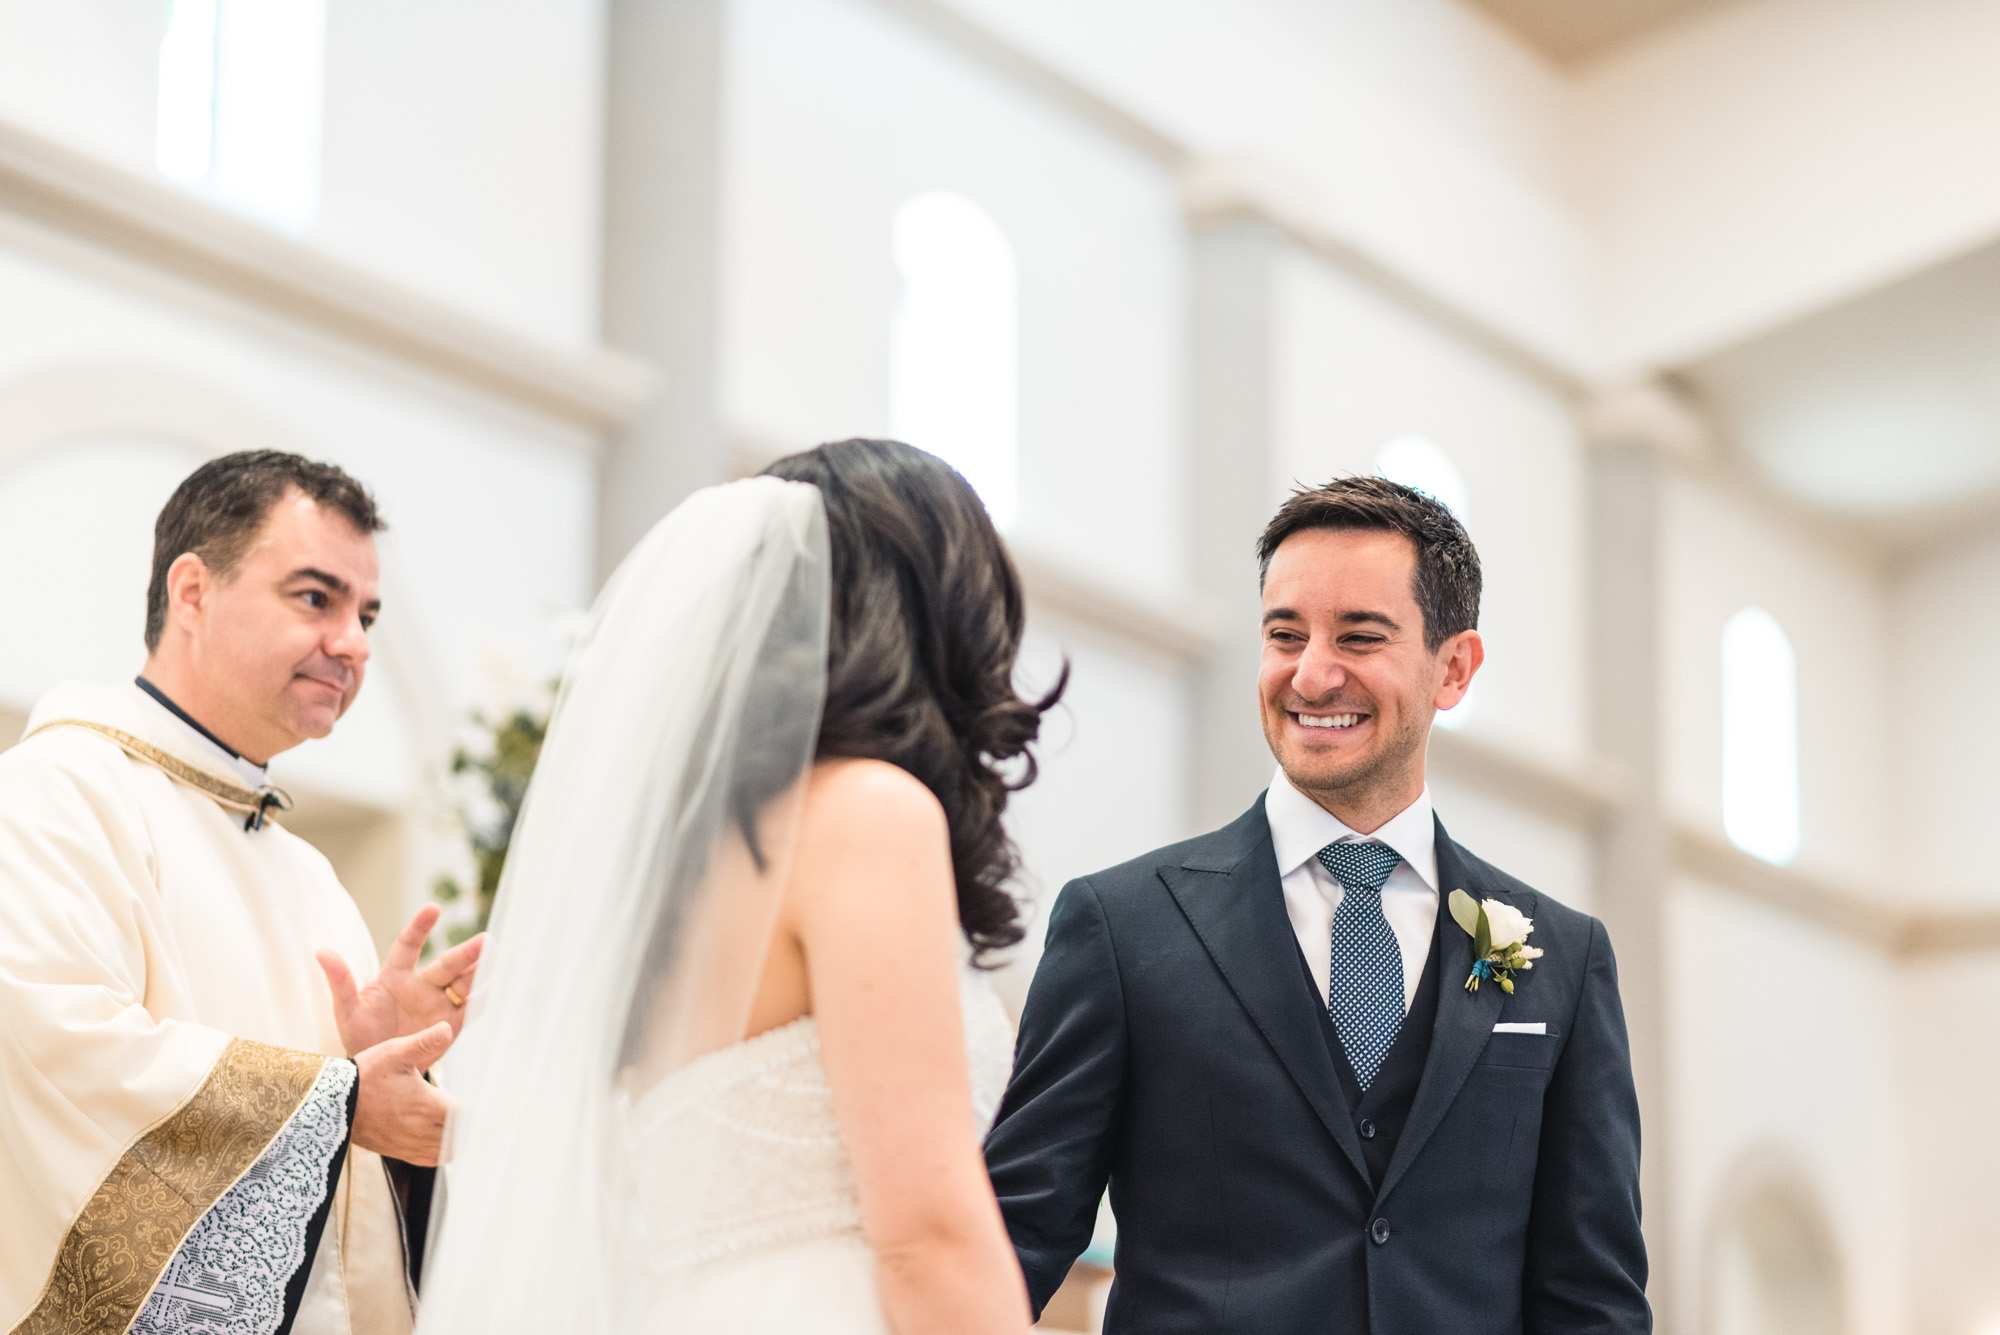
pixel 749 1217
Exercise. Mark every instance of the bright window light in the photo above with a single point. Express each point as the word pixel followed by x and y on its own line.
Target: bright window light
pixel 185 140
pixel 1760 737
pixel 952 358
pixel 1419 462
pixel 241 96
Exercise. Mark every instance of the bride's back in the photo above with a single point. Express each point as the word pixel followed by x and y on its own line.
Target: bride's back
pixel 897 884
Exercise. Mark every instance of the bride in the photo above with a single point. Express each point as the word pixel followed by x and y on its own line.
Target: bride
pixel 731 1056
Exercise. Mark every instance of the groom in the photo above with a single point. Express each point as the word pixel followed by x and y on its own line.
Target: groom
pixel 1265 1038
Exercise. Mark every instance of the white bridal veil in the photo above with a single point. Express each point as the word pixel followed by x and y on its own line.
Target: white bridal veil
pixel 636 906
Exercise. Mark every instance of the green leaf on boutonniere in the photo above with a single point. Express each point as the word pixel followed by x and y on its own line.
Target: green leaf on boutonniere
pixel 1465 911
pixel 1482 940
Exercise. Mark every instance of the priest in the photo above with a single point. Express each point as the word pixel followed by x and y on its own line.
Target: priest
pixel 206 1123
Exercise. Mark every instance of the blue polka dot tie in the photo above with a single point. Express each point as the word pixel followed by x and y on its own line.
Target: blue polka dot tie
pixel 1364 992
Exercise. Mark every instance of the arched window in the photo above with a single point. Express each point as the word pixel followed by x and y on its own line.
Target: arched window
pixel 952 362
pixel 240 101
pixel 1420 462
pixel 1760 737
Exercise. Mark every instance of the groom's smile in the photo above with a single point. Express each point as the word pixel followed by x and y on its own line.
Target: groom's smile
pixel 1337 722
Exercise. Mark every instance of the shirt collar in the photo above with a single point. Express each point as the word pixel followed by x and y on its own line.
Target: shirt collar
pixel 249 775
pixel 1301 827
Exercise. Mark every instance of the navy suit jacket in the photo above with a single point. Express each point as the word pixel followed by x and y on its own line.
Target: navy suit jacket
pixel 1172 1046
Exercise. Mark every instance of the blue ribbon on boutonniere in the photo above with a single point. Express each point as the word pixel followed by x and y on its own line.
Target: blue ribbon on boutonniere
pixel 1499 933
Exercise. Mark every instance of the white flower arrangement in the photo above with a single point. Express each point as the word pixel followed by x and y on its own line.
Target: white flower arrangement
pixel 1499 935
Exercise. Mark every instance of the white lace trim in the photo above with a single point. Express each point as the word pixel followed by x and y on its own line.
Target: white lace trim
pixel 229 1276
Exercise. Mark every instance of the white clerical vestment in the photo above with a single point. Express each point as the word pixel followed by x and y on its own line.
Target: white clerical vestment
pixel 174 1098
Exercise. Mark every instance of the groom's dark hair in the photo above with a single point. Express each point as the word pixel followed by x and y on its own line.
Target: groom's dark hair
pixel 1447 580
pixel 219 508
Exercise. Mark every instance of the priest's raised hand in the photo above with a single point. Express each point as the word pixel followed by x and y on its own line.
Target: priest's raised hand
pixel 395 1028
pixel 403 998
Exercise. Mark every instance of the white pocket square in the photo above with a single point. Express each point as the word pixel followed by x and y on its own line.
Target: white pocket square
pixel 1538 1027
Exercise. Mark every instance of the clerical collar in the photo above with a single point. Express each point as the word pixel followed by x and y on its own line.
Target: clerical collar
pixel 254 775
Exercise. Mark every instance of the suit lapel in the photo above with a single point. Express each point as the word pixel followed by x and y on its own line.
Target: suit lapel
pixel 1236 906
pixel 1464 1019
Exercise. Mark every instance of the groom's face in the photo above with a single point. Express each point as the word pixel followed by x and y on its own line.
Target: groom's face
pixel 1347 686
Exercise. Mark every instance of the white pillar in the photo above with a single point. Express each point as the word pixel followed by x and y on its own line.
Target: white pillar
pixel 1231 466
pixel 662 224
pixel 1631 849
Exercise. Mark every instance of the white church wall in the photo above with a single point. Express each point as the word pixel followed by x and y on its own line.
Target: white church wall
pixel 1357 369
pixel 1947 1029
pixel 838 114
pixel 463 150
pixel 1755 161
pixel 1426 137
pixel 1824 1100
pixel 1720 555
pixel 1947 635
pixel 85 72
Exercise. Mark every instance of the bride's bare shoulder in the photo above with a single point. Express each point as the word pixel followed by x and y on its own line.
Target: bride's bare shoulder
pixel 868 800
pixel 871 834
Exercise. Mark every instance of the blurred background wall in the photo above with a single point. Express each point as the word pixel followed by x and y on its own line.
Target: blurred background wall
pixel 1690 308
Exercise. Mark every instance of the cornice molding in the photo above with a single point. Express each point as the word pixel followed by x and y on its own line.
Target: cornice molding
pixel 1581 795
pixel 1906 931
pixel 1183 627
pixel 165 229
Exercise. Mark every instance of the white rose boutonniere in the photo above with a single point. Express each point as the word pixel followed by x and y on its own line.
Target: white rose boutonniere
pixel 1499 935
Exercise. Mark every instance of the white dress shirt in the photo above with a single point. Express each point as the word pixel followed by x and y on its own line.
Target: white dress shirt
pixel 1301 827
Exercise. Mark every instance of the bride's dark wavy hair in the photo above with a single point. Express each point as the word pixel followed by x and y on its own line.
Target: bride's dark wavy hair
pixel 926 625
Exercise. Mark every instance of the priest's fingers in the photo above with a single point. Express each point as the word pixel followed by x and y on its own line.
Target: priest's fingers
pixel 417 1051
pixel 463 986
pixel 454 963
pixel 409 945
pixel 396 1111
pixel 340 981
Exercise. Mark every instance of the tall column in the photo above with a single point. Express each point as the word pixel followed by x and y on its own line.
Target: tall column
pixel 1631 850
pixel 662 226
pixel 1232 464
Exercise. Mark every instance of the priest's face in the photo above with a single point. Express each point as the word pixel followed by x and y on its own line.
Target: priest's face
pixel 1347 686
pixel 284 640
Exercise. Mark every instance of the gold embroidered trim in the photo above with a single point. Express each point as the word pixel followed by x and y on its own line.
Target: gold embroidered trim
pixel 144 1208
pixel 229 794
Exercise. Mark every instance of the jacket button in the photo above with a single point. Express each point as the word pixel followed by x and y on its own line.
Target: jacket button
pixel 1379 1230
pixel 1367 1129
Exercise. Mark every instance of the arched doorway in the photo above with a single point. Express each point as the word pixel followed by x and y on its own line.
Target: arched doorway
pixel 1771 1267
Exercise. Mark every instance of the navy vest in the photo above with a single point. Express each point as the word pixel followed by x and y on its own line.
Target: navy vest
pixel 1380 1113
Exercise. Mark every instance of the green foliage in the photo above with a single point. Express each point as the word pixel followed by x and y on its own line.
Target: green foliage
pixel 498 770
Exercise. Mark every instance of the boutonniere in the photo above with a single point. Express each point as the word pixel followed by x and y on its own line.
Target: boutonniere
pixel 1499 935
